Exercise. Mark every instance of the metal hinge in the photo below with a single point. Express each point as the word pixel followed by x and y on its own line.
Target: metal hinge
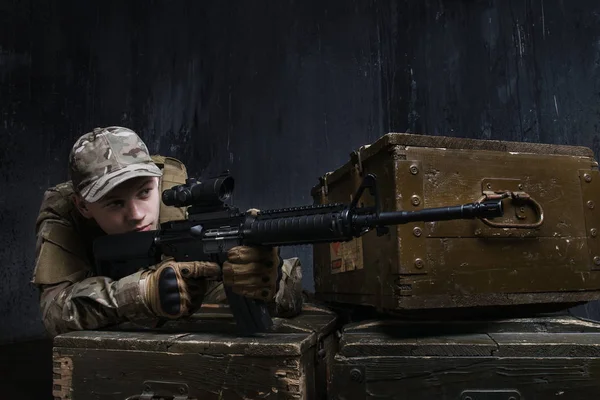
pixel 321 352
pixel 162 390
pixel 402 288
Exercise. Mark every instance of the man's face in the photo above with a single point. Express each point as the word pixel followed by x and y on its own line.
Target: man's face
pixel 133 205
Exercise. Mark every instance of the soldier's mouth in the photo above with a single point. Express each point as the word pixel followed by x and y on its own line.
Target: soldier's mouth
pixel 143 228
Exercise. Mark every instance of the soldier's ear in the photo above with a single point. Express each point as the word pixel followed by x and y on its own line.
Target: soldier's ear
pixel 81 205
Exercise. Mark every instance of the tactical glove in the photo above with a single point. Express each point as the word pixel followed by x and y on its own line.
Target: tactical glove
pixel 252 271
pixel 173 289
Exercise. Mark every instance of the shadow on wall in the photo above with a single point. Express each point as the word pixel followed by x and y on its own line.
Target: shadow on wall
pixel 26 370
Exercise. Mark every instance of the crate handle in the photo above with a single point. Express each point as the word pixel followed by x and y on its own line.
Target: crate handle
pixel 157 396
pixel 517 197
pixel 162 390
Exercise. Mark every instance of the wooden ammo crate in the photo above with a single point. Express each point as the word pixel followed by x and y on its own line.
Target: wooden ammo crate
pixel 554 357
pixel 544 250
pixel 201 358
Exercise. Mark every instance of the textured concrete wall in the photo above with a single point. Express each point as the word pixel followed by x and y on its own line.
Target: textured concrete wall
pixel 277 92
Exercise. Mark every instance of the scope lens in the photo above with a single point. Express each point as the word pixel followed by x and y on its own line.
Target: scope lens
pixel 225 188
pixel 168 197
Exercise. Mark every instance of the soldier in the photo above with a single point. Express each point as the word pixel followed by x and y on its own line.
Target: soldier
pixel 115 187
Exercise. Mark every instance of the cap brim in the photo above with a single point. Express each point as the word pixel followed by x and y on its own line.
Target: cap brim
pixel 108 182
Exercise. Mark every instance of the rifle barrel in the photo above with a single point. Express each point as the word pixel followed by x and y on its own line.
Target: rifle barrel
pixel 487 209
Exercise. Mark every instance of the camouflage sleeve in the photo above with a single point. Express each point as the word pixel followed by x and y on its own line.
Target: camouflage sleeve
pixel 92 303
pixel 71 298
pixel 288 299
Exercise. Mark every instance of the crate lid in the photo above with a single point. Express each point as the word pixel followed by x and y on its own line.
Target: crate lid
pixel 210 332
pixel 519 337
pixel 451 142
pixel 408 140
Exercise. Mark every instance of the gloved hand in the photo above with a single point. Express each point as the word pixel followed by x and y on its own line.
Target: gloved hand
pixel 173 290
pixel 251 271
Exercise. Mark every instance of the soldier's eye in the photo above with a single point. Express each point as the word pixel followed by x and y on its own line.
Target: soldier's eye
pixel 114 204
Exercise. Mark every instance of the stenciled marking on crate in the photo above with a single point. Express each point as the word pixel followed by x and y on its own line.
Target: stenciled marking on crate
pixel 346 256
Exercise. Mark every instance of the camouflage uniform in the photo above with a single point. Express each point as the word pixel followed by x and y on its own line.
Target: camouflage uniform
pixel 71 296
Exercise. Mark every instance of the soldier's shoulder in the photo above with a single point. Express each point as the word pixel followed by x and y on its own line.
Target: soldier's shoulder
pixel 59 195
pixel 57 202
pixel 63 188
pixel 61 247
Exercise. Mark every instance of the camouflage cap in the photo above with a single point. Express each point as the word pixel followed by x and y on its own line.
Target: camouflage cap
pixel 106 157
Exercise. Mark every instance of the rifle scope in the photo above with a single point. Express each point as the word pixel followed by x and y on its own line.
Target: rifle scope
pixel 209 192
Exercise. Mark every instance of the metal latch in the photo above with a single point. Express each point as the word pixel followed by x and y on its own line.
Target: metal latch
pixel 490 394
pixel 324 186
pixel 356 158
pixel 154 390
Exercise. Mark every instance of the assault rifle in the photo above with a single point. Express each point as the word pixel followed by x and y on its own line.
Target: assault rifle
pixel 212 228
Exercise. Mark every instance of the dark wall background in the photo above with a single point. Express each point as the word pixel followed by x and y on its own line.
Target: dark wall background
pixel 277 92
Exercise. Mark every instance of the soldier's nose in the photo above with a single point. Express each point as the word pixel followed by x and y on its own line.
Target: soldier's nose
pixel 134 212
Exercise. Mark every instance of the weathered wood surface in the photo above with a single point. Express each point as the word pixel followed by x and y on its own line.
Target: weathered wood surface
pixel 531 358
pixel 289 363
pixel 444 379
pixel 100 374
